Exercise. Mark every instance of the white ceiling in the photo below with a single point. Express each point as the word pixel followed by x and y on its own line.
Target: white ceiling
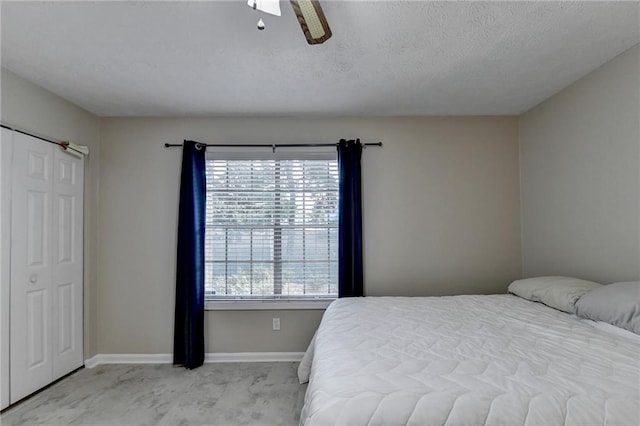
pixel 385 58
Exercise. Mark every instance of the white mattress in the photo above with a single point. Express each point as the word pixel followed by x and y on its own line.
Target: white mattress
pixel 467 360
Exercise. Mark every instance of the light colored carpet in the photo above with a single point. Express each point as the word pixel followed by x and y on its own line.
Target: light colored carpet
pixel 214 394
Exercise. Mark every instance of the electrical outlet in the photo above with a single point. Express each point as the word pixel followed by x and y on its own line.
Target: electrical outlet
pixel 276 323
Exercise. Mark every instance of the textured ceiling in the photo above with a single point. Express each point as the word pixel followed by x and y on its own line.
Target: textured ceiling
pixel 385 58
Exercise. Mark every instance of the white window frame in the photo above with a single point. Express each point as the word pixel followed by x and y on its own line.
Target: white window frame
pixel 232 303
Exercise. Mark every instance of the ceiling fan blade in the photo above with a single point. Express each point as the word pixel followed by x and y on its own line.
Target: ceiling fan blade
pixel 312 20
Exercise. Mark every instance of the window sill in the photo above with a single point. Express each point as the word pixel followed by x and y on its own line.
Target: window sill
pixel 270 305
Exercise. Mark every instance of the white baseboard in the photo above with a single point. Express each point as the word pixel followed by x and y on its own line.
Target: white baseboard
pixel 208 358
pixel 254 357
pixel 128 359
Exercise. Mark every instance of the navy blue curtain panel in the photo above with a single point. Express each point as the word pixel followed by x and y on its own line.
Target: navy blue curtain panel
pixel 188 341
pixel 350 271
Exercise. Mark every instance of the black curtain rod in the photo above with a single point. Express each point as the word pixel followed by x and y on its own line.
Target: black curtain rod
pixel 266 145
pixel 4 126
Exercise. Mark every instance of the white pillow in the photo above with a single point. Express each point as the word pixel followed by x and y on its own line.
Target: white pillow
pixel 560 293
pixel 617 304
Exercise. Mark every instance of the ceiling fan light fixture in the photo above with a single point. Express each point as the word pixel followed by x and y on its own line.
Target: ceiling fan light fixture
pixel 272 7
pixel 312 20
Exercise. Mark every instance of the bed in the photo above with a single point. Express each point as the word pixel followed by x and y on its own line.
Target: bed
pixel 467 360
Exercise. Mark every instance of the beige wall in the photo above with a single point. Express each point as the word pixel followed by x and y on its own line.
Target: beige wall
pixel 31 108
pixel 441 216
pixel 580 172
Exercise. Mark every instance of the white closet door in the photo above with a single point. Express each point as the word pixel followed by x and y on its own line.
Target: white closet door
pixel 67 262
pixel 31 266
pixel 6 144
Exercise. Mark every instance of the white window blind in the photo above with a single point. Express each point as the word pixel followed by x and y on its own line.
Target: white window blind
pixel 271 228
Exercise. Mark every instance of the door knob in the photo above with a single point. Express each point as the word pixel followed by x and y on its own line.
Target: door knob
pixel 33 278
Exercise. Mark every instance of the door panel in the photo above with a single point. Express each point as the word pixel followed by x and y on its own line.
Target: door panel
pixel 67 263
pixel 65 228
pixel 37 227
pixel 31 267
pixel 66 311
pixel 37 310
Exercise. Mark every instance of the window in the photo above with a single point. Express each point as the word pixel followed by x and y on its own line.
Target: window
pixel 271 227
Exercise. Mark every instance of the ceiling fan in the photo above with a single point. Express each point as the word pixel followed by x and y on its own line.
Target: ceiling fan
pixel 309 13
